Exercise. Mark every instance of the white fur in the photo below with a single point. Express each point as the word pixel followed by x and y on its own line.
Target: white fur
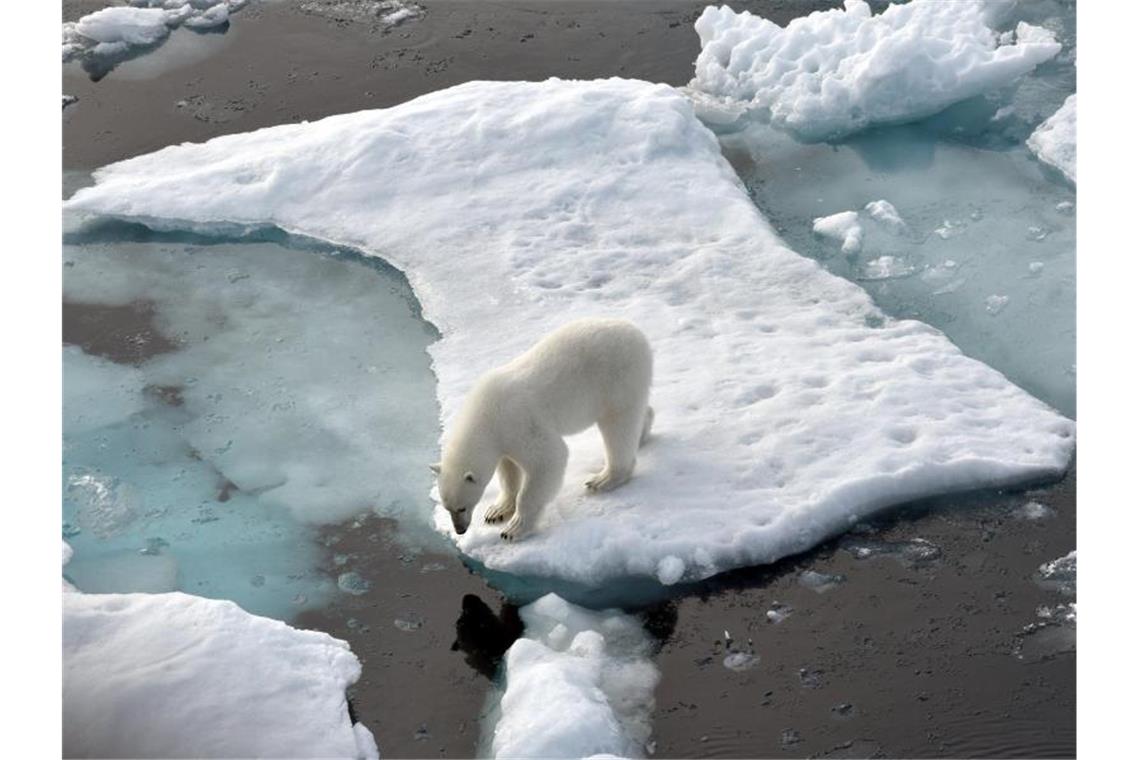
pixel 590 371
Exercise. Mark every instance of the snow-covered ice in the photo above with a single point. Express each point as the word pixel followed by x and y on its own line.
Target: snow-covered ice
pixel 1055 141
pixel 579 683
pixel 839 71
pixel 174 675
pixel 788 405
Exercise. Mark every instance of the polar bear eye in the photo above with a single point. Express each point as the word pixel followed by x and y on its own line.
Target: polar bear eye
pixel 460 511
pixel 469 478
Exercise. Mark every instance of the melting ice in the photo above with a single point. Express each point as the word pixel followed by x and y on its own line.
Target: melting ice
pixel 952 219
pixel 251 390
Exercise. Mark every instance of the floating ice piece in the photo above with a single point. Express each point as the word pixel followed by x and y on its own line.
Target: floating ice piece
pixel 1036 267
pixel 741 661
pixel 173 675
pixel 579 683
pixel 913 552
pixel 820 582
pixel 778 613
pixel 1055 141
pixel 107 36
pixel 885 213
pixel 884 268
pixel 808 409
pixel 843 227
pixel 995 303
pixel 353 583
pixel 1060 574
pixel 839 71
pixel 1033 510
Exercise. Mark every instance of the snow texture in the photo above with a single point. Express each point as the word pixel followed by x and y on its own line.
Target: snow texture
pixel 843 227
pixel 1055 141
pixel 839 71
pixel 788 406
pixel 174 675
pixel 578 684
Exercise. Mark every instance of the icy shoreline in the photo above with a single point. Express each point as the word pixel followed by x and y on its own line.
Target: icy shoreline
pixel 530 203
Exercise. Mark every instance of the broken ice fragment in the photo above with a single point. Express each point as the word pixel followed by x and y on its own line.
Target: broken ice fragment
pixel 353 583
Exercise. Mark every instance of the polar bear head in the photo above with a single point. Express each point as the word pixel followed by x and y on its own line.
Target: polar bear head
pixel 460 489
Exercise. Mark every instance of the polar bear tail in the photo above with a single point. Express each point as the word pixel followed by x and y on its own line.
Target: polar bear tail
pixel 646 426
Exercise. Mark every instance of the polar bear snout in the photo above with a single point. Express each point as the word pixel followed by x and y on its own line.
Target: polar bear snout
pixel 460 520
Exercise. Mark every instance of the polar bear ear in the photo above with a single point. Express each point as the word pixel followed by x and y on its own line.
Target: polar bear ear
pixel 436 468
pixel 469 477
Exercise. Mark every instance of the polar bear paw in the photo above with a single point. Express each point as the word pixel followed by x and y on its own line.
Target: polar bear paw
pixel 607 480
pixel 513 530
pixel 501 511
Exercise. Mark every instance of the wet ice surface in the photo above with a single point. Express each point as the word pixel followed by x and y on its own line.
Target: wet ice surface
pixel 986 251
pixel 222 398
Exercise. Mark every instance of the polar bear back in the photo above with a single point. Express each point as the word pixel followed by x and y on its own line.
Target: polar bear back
pixel 580 373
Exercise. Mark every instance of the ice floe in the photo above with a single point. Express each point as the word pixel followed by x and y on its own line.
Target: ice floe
pixel 174 675
pixel 835 72
pixel 106 37
pixel 578 684
pixel 788 406
pixel 1055 141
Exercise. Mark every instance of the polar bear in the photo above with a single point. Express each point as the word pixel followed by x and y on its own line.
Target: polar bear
pixel 590 371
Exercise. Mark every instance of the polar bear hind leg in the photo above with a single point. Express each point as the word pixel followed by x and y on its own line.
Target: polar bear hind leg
pixel 646 426
pixel 622 434
pixel 510 481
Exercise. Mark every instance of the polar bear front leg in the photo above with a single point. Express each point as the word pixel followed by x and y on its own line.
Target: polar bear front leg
pixel 510 480
pixel 543 468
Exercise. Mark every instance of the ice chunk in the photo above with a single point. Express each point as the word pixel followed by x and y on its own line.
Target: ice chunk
pixel 843 227
pixel 1060 574
pixel 996 303
pixel 173 675
pixel 579 683
pixel 835 72
pixel 809 408
pixel 353 583
pixel 885 213
pixel 820 582
pixel 1033 510
pixel 1055 141
pixel 102 39
pixel 884 268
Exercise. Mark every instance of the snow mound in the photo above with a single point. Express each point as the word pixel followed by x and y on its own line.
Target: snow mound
pixel 579 684
pixel 835 72
pixel 788 406
pixel 1055 141
pixel 174 675
pixel 843 227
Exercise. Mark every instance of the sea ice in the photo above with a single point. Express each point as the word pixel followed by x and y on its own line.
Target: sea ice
pixel 579 683
pixel 514 207
pixel 1055 141
pixel 294 390
pixel 844 227
pixel 836 72
pixel 1060 574
pixel 102 39
pixel 174 675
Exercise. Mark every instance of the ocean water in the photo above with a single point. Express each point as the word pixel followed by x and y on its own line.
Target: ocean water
pixel 224 398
